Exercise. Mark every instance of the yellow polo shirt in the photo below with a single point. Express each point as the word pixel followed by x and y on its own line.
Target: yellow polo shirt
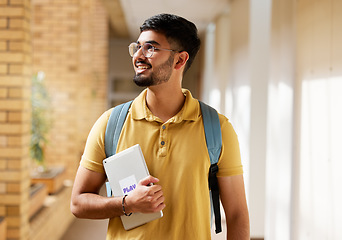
pixel 176 153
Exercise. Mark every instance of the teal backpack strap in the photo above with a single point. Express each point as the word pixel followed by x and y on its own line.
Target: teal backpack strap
pixel 213 137
pixel 114 126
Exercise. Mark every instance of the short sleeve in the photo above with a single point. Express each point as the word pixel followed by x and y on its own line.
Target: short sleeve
pixel 230 158
pixel 94 152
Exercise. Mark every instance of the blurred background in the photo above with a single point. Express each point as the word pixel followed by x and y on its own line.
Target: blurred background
pixel 274 68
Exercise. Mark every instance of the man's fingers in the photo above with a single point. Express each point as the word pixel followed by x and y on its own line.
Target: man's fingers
pixel 148 180
pixel 147 198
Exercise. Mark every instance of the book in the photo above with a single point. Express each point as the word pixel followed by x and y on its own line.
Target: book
pixel 124 170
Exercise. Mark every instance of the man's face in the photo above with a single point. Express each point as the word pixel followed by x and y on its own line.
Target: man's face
pixel 158 68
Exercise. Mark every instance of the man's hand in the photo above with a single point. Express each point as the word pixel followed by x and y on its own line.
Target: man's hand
pixel 146 198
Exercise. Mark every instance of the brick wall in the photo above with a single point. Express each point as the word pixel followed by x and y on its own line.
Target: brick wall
pixel 70 46
pixel 67 39
pixel 93 66
pixel 15 60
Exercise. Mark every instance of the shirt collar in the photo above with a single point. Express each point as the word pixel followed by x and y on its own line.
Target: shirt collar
pixel 190 110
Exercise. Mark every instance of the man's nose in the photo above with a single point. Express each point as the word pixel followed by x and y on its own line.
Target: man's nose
pixel 139 53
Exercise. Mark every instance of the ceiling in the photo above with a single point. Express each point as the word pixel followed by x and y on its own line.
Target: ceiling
pixel 127 15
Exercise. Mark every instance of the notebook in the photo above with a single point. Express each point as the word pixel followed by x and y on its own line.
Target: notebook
pixel 124 170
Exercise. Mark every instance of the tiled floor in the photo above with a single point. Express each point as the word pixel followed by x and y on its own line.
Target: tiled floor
pixel 84 229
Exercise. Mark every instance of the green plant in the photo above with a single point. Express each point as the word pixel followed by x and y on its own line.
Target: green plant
pixel 41 122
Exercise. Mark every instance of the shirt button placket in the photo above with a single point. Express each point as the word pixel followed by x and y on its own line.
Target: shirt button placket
pixel 162 139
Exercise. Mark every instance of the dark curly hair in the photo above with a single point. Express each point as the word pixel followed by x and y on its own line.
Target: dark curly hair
pixel 179 32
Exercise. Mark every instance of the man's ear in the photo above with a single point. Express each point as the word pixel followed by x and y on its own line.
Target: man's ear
pixel 181 60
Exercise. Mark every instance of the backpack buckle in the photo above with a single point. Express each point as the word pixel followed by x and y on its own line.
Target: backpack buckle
pixel 213 169
pixel 213 184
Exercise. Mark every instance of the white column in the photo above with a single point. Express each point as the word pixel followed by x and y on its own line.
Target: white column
pixel 222 56
pixel 209 56
pixel 280 122
pixel 260 18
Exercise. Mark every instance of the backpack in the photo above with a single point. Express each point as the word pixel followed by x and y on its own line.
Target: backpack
pixel 212 129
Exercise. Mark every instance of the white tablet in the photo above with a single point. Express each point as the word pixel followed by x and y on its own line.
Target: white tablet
pixel 124 170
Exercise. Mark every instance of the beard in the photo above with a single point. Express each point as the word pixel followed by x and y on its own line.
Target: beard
pixel 160 75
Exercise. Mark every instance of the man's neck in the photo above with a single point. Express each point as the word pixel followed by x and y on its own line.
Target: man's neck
pixel 165 102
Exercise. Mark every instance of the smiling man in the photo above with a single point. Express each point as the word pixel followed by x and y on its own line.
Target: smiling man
pixel 166 121
pixel 160 74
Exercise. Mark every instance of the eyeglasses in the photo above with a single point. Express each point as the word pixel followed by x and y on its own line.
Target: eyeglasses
pixel 147 49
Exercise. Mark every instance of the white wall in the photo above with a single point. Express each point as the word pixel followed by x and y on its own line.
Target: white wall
pixel 252 83
pixel 281 89
pixel 259 45
pixel 280 117
pixel 318 211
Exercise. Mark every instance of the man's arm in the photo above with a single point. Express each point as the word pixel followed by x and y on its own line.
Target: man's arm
pixel 87 203
pixel 85 199
pixel 233 198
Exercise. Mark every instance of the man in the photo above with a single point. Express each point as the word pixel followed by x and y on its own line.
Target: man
pixel 166 121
